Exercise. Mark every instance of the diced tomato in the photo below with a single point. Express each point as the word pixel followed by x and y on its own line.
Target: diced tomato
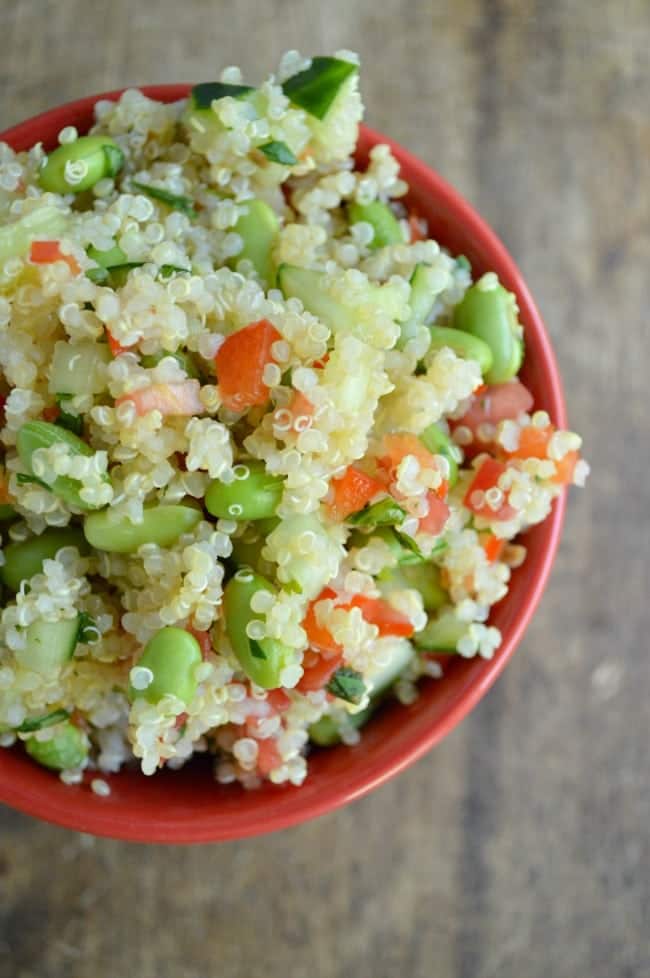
pixel 180 399
pixel 486 478
pixel 417 227
pixel 300 407
pixel 319 672
pixel 181 720
pixel 319 364
pixel 435 520
pixel 533 443
pixel 378 612
pixel 279 700
pixel 48 252
pixel 493 546
pixel 268 756
pixel 4 488
pixel 240 363
pixel 565 468
pixel 318 637
pixel 203 638
pixel 396 447
pixel 114 345
pixel 352 491
pixel 51 412
pixel 499 402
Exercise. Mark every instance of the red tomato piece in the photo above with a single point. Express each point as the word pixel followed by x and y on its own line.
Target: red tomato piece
pixel 268 756
pixel 203 638
pixel 500 402
pixel 352 491
pixel 48 252
pixel 51 412
pixel 114 345
pixel 493 546
pixel 378 612
pixel 487 477
pixel 318 637
pixel 395 447
pixel 180 399
pixel 417 227
pixel 435 520
pixel 319 674
pixel 279 700
pixel 240 363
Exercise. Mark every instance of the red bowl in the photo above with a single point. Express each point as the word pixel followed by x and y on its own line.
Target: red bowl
pixel 188 806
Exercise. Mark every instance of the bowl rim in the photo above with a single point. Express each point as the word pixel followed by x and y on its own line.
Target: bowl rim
pixel 85 812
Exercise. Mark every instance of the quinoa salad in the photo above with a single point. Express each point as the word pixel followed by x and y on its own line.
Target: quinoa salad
pixel 265 458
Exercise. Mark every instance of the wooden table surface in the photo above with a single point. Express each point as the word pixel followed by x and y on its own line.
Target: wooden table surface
pixel 519 847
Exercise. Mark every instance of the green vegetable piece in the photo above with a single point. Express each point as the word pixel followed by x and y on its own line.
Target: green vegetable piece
pixel 315 88
pixel 71 422
pixel 42 434
pixel 46 222
pixel 423 577
pixel 326 732
pixel 172 655
pixel 384 513
pixel 463 262
pixel 162 525
pixel 387 229
pixel 74 167
pixel 67 749
pixel 177 202
pixel 437 442
pixel 167 271
pixel 78 368
pixel 204 94
pixel 278 152
pixel 463 344
pixel 255 496
pixel 87 631
pixel 24 559
pixel 258 229
pixel 184 360
pixel 266 672
pixel 442 633
pixel 426 282
pixel 49 645
pixel 402 546
pixel 40 723
pixel 108 258
pixel 7 512
pixel 490 314
pixel 347 684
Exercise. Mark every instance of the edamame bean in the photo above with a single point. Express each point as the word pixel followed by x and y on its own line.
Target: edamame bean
pixel 68 748
pixel 464 345
pixel 42 434
pixel 262 660
pixel 437 442
pixel 25 558
pixel 442 633
pixel 49 645
pixel 386 228
pixel 77 166
pixel 248 553
pixel 172 656
pixel 490 313
pixel 253 495
pixel 160 524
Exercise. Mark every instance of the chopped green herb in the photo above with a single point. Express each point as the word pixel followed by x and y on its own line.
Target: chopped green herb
pixel 293 587
pixel 23 479
pixel 88 631
pixel 71 422
pixel 384 513
pixel 409 543
pixel 97 275
pixel 206 93
pixel 279 152
pixel 315 88
pixel 439 548
pixel 347 684
pixel 39 723
pixel 464 262
pixel 177 201
pixel 114 159
pixel 256 649
pixel 166 271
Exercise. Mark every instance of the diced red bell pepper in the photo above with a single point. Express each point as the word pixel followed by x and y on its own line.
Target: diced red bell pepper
pixel 48 252
pixel 486 478
pixel 240 363
pixel 352 491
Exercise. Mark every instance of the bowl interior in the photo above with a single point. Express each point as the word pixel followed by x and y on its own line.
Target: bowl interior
pixel 188 806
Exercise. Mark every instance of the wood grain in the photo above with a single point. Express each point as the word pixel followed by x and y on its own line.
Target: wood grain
pixel 519 848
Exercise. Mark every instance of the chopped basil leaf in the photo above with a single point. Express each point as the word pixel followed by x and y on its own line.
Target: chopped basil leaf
pixel 409 543
pixel 347 684
pixel 166 271
pixel 88 631
pixel 464 262
pixel 97 275
pixel 206 93
pixel 39 723
pixel 114 159
pixel 279 152
pixel 315 88
pixel 71 422
pixel 177 201
pixel 256 649
pixel 384 513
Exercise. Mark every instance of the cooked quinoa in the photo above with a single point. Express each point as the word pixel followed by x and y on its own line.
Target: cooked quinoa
pixel 263 452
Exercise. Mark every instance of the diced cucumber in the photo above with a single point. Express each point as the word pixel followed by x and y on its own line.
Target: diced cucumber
pixel 326 732
pixel 25 558
pixel 199 116
pixel 423 577
pixel 437 442
pixel 79 368
pixel 184 360
pixel 442 633
pixel 49 645
pixel 41 434
pixel 258 228
pixel 387 229
pixel 315 88
pixel 108 258
pixel 45 222
pixel 397 544
pixel 426 284
pixel 311 572
pixel 205 93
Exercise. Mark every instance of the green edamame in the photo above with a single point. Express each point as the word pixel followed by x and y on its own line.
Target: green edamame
pixel 25 558
pixel 490 313
pixel 74 167
pixel 49 645
pixel 442 633
pixel 43 434
pixel 160 524
pixel 172 656
pixel 66 749
pixel 253 495
pixel 437 442
pixel 247 552
pixel 387 230
pixel 262 660
pixel 464 345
